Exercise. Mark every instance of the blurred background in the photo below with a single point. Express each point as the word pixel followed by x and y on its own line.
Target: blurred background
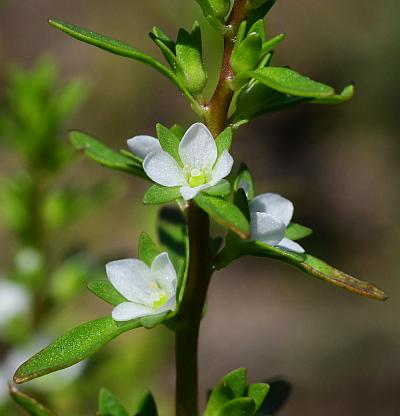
pixel 340 166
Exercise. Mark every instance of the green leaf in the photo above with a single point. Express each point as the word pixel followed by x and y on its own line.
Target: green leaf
pixel 317 268
pixel 148 250
pixel 245 55
pixel 237 381
pixel 345 95
pixel 277 396
pixel 106 291
pixel 31 405
pixel 119 48
pixel 258 392
pixel 100 153
pixel 220 7
pixel 291 82
pixel 169 141
pixel 109 405
pixel 213 16
pixel 296 231
pixel 224 213
pixel 224 140
pixel 72 347
pixel 256 99
pixel 244 181
pixel 242 406
pixel 220 395
pixel 259 28
pixel 222 188
pixel 189 56
pixel 158 194
pixel 178 130
pixel 147 405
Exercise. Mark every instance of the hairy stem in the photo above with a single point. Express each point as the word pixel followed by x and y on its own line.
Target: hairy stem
pixel 200 265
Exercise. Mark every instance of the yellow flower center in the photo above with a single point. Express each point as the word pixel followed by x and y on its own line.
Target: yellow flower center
pixel 196 177
pixel 158 295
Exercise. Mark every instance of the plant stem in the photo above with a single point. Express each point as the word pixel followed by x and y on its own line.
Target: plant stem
pixel 200 265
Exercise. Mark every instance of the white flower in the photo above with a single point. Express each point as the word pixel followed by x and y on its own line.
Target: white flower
pixel 14 301
pixel 201 167
pixel 270 215
pixel 148 290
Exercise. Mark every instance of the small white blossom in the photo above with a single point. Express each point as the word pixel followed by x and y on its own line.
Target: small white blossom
pixel 201 167
pixel 270 215
pixel 148 290
pixel 14 301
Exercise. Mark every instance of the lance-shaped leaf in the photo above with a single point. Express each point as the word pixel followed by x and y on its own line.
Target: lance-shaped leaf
pixel 270 44
pixel 73 347
pixel 222 188
pixel 242 406
pixel 224 140
pixel 296 231
pixel 166 45
pixel 246 54
pixel 312 266
pixel 224 213
pixel 28 403
pixel 258 392
pixel 287 81
pixel 147 405
pixel 214 13
pixel 345 95
pixel 119 48
pixel 102 154
pixel 109 405
pixel 169 141
pixel 256 99
pixel 158 194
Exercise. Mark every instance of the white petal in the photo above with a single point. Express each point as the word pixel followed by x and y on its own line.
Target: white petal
pixel 189 193
pixel 143 145
pixel 164 273
pixel 197 149
pixel 223 167
pixel 163 169
pixel 128 310
pixel 266 228
pixel 291 245
pixel 274 204
pixel 14 301
pixel 131 278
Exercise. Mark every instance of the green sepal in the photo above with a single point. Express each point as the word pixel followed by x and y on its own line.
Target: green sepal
pixel 287 81
pixel 172 233
pixel 242 406
pixel 296 231
pixel 258 392
pixel 119 48
pixel 224 213
pixel 222 188
pixel 244 181
pixel 166 45
pixel 224 140
pixel 158 194
pixel 246 54
pixel 259 28
pixel 147 405
pixel 346 95
pixel 211 15
pixel 102 154
pixel 28 403
pixel 148 249
pixel 104 290
pixel 189 57
pixel 73 347
pixel 237 381
pixel 169 142
pixel 271 43
pixel 109 405
pixel 178 130
pixel 152 321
